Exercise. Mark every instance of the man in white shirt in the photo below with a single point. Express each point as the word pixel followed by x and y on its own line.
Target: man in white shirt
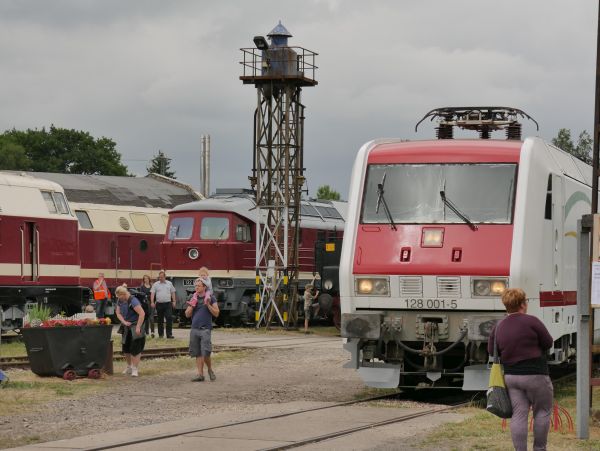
pixel 163 298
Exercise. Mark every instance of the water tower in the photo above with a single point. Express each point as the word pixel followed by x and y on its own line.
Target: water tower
pixel 278 72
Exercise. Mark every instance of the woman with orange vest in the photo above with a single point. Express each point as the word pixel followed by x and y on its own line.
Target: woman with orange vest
pixel 101 295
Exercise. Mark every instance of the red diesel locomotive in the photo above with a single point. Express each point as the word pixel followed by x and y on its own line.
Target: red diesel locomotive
pixel 220 233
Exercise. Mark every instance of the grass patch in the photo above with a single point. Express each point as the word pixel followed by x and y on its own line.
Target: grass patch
pixel 320 331
pixel 26 390
pixel 155 343
pixel 483 431
pixel 12 349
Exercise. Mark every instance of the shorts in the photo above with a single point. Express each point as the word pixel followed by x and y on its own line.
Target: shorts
pixel 200 342
pixel 133 347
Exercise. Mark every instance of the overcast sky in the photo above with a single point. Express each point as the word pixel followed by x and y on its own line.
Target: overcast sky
pixel 155 74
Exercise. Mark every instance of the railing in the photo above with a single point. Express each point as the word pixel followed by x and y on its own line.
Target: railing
pixel 265 63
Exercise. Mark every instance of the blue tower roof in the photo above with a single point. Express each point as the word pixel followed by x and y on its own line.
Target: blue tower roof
pixel 279 30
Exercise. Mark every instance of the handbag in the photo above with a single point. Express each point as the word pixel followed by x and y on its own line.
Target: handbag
pixel 134 334
pixel 498 400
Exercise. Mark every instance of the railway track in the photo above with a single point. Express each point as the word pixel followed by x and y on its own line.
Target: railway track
pixel 156 353
pixel 455 400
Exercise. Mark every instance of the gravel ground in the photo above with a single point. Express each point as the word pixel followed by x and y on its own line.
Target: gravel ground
pixel 264 381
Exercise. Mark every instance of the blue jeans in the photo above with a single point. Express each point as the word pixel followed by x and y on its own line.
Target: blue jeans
pixel 100 308
pixel 527 391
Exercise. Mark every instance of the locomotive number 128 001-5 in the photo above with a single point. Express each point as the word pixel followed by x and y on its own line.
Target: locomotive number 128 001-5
pixel 443 304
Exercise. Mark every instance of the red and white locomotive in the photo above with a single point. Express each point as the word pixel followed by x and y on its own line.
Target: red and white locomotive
pixel 220 233
pixel 437 230
pixel 39 261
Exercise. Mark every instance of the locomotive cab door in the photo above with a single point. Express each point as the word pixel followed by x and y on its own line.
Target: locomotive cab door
pixel 30 252
pixel 124 260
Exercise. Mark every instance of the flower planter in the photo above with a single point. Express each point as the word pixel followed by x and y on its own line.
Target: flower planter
pixel 69 351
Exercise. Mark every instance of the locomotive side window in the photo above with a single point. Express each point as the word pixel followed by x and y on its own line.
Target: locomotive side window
pixel 308 210
pixel 61 203
pixel 242 232
pixel 49 202
pixel 143 245
pixel 548 209
pixel 213 228
pixel 181 228
pixel 141 222
pixel 84 219
pixel 419 193
pixel 329 212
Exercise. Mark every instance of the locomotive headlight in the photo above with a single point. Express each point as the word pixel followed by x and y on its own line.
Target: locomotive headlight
pixel 373 286
pixel 432 238
pixel 365 286
pixel 489 287
pixel 327 284
pixel 497 287
pixel 481 288
pixel 193 253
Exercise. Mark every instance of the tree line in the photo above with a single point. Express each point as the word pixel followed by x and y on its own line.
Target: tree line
pixel 68 151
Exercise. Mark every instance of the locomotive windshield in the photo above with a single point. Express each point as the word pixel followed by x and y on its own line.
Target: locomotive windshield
pixel 213 228
pixel 482 192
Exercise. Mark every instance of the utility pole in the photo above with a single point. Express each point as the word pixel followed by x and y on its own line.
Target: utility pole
pixel 279 73
pixel 589 224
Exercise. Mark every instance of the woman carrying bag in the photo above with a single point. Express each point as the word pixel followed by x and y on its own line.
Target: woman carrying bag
pixel 131 315
pixel 522 341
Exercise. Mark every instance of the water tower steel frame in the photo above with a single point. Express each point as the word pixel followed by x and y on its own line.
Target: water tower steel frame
pixel 279 73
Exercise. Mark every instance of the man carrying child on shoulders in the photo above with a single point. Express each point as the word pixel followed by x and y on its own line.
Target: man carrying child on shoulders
pixel 201 308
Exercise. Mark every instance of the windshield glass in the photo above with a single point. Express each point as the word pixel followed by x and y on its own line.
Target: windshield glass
pixel 214 228
pixel 482 192
pixel 181 228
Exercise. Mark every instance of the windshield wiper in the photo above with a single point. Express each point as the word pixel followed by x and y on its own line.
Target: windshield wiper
pixel 380 199
pixel 452 207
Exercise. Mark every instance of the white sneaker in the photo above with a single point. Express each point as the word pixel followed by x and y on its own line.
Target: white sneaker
pixel 127 370
pixel 134 372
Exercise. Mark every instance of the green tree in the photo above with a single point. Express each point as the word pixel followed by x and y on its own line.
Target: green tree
pixel 325 192
pixel 13 156
pixel 67 151
pixel 581 150
pixel 161 164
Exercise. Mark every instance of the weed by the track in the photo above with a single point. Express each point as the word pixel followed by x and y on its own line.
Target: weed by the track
pixel 483 431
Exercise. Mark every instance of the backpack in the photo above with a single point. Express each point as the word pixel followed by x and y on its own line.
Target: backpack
pixel 143 302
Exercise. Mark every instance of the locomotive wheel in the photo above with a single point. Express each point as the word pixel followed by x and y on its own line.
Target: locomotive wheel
pixel 69 375
pixel 337 317
pixel 94 373
pixel 247 313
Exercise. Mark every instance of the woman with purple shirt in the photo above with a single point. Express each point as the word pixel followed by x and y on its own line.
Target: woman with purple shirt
pixel 523 342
